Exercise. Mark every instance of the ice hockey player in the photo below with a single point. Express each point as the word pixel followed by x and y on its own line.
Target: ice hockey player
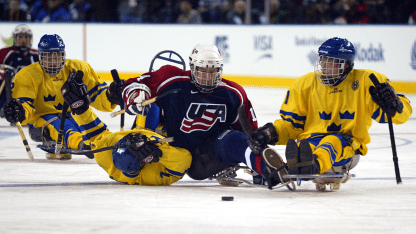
pixel 329 112
pixel 135 159
pixel 17 56
pixel 37 99
pixel 203 116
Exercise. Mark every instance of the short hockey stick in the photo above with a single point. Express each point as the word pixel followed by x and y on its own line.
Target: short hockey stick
pixel 242 118
pixel 3 68
pixel 61 130
pixel 85 152
pixel 147 102
pixel 392 140
pixel 116 79
pixel 2 87
pixel 8 81
pixel 78 77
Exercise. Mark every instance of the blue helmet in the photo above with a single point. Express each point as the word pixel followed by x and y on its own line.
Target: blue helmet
pixel 335 60
pixel 52 55
pixel 125 161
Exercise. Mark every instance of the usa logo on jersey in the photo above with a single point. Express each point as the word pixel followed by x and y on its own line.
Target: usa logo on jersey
pixel 202 116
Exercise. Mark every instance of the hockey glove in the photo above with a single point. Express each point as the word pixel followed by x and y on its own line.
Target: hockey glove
pixel 114 92
pixel 141 148
pixel 14 111
pixel 261 137
pixel 385 97
pixel 75 93
pixel 134 97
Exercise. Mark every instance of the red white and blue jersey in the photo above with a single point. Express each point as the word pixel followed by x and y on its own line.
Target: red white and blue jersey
pixel 13 57
pixel 191 117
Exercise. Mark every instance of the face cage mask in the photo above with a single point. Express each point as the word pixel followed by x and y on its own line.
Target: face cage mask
pixel 52 62
pixel 206 81
pixel 329 70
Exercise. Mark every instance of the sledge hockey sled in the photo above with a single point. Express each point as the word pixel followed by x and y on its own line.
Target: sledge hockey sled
pixel 333 177
pixel 50 152
pixel 228 176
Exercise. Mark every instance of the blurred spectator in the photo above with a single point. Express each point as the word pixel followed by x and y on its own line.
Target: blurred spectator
pixel 81 11
pixel 188 15
pixel 338 9
pixel 401 10
pixel 34 6
pixel 54 12
pixel 169 13
pixel 412 18
pixel 237 14
pixel 277 15
pixel 378 11
pixel 105 10
pixel 211 10
pixel 2 6
pixel 131 11
pixel 155 9
pixel 358 12
pixel 13 12
pixel 317 12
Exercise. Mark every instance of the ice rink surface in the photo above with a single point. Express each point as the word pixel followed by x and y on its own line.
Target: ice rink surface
pixel 77 196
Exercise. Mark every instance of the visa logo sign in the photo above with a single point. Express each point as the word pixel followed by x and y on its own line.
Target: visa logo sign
pixel 263 43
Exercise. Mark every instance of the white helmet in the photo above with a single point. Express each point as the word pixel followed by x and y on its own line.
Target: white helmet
pixel 22 29
pixel 206 67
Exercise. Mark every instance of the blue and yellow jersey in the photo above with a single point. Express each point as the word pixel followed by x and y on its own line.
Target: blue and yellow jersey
pixel 40 93
pixel 171 167
pixel 311 107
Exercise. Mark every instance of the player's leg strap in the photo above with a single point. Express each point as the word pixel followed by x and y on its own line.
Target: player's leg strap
pixel 41 134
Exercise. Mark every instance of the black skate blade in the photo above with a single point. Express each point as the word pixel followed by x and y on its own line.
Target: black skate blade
pixel 52 150
pixel 305 176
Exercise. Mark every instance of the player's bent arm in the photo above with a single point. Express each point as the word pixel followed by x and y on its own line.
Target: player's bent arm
pixel 24 91
pixel 285 131
pixel 97 89
pixel 377 113
pixel 403 117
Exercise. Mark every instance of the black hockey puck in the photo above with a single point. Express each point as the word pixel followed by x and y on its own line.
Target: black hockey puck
pixel 228 198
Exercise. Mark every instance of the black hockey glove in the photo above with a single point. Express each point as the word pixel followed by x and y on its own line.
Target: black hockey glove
pixel 114 92
pixel 14 111
pixel 75 93
pixel 141 148
pixel 261 137
pixel 385 96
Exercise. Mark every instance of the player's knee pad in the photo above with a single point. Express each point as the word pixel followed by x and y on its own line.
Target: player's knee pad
pixel 347 166
pixel 230 147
